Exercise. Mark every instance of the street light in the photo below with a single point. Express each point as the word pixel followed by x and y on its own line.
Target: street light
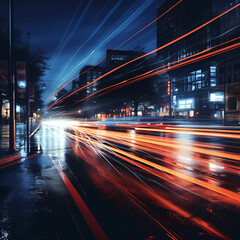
pixel 11 81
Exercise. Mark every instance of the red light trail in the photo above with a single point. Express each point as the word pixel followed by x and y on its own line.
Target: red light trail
pixel 151 73
pixel 92 222
pixel 116 48
pixel 149 53
pixel 167 166
pixel 175 173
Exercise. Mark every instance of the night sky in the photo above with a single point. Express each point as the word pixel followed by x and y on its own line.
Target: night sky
pixel 77 33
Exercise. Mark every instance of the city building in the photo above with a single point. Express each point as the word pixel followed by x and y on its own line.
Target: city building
pixel 75 84
pixel 196 90
pixel 115 58
pixel 128 100
pixel 228 71
pixel 87 75
pixel 4 110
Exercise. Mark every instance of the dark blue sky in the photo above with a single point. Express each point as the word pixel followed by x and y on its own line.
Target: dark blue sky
pixel 75 33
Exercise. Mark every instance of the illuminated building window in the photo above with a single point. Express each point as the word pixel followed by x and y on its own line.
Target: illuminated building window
pixel 199 84
pixel 213 71
pixel 213 82
pixel 193 87
pixel 186 103
pixel 216 97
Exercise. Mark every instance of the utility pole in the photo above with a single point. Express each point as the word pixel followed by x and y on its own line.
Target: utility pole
pixel 27 93
pixel 11 81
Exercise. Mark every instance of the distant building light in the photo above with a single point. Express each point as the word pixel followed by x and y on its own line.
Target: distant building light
pixel 186 103
pixel 169 88
pixel 181 102
pixel 217 97
pixel 18 109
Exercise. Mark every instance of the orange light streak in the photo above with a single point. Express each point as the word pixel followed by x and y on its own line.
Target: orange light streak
pixel 193 180
pixel 166 203
pixel 142 141
pixel 152 144
pixel 170 205
pixel 95 139
pixel 117 47
pixel 149 53
pixel 236 136
pixel 144 76
pixel 91 221
pixel 203 130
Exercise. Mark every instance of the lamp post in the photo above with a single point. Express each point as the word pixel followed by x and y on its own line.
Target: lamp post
pixel 27 93
pixel 11 81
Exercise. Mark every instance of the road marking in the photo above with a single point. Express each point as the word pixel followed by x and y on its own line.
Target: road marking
pixel 88 216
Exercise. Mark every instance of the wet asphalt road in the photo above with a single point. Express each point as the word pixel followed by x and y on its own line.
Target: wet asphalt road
pixel 130 182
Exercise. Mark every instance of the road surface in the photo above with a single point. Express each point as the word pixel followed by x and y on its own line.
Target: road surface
pixel 126 181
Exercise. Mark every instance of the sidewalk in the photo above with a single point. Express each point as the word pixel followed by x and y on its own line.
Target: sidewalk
pixel 34 201
pixel 5 156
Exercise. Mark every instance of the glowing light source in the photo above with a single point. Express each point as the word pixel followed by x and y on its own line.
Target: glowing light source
pixel 217 97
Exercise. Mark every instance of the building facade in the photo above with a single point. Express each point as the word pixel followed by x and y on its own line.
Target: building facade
pixel 115 58
pixel 87 75
pixel 198 89
pixel 228 71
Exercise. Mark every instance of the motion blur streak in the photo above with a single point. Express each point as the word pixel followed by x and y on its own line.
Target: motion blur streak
pixel 186 131
pixel 104 139
pixel 204 130
pixel 70 61
pixel 135 10
pixel 149 53
pixel 71 29
pixel 149 24
pixel 93 224
pixel 115 48
pixel 152 73
pixel 168 204
pixel 201 183
pixel 194 177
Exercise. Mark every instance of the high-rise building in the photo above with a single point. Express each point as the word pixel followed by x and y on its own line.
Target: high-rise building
pixel 196 89
pixel 115 58
pixel 87 75
pixel 75 84
pixel 228 71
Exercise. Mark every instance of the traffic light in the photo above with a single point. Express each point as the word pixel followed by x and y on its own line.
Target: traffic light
pixel 21 78
pixel 3 73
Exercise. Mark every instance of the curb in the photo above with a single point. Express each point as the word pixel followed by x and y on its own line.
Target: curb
pixel 10 158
